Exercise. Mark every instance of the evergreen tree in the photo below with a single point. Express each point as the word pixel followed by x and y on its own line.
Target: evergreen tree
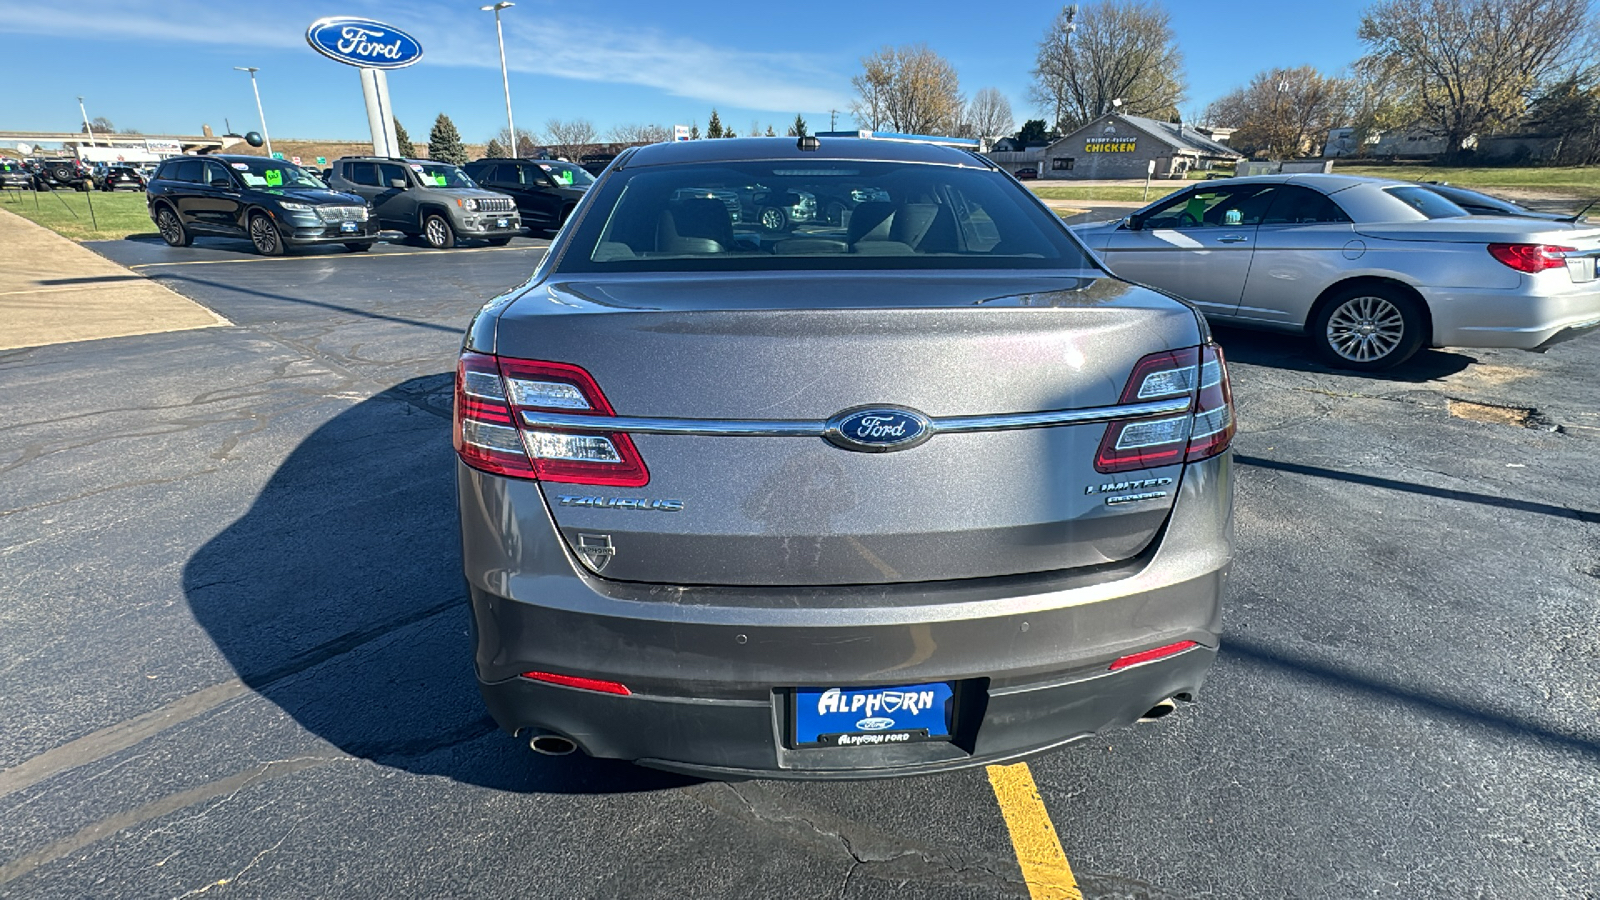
pixel 770 132
pixel 694 131
pixel 495 150
pixel 444 142
pixel 714 127
pixel 403 141
pixel 798 129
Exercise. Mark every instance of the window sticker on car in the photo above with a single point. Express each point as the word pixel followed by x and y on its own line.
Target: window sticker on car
pixel 416 168
pixel 438 179
pixel 274 177
pixel 564 177
pixel 241 167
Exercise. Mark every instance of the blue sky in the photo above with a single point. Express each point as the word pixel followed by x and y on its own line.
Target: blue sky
pixel 167 67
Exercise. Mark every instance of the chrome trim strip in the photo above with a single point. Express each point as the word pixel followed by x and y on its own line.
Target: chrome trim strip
pixel 780 428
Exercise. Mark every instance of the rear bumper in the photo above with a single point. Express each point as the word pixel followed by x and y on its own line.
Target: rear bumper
pixel 1543 312
pixel 710 667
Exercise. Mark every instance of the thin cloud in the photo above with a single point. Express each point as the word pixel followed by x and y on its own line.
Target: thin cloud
pixel 581 51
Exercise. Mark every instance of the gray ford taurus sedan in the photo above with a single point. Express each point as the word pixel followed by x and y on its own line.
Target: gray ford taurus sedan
pixel 915 490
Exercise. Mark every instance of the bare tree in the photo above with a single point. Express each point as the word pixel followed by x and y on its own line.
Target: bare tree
pixel 908 89
pixel 639 134
pixel 570 139
pixel 1122 50
pixel 1285 112
pixel 1473 65
pixel 989 114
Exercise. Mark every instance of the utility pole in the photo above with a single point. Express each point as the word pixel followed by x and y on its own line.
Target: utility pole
pixel 505 78
pixel 266 136
pixel 833 116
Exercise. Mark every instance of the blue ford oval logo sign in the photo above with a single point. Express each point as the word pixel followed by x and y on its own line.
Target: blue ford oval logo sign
pixel 878 429
pixel 363 42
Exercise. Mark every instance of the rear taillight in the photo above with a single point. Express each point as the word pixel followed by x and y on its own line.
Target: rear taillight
pixel 1531 257
pixel 491 393
pixel 1202 432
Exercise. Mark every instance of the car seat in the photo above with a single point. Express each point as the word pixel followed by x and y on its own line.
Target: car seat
pixel 694 226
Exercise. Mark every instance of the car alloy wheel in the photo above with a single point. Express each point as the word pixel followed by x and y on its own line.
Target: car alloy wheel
pixel 438 233
pixel 1369 327
pixel 773 219
pixel 172 230
pixel 264 235
pixel 1365 329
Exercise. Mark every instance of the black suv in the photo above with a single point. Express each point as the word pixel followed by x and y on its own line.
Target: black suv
pixel 273 203
pixel 120 175
pixel 65 172
pixel 545 190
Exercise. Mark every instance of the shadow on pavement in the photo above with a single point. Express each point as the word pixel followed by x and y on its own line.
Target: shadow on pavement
pixel 1291 351
pixel 338 596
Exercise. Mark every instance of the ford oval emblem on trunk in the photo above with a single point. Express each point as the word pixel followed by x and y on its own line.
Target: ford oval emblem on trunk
pixel 363 42
pixel 878 429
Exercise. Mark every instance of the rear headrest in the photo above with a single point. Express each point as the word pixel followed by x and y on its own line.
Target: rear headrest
pixel 701 225
pixel 927 227
pixel 870 221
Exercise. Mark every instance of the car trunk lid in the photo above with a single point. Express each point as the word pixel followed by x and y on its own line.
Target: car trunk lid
pixel 793 508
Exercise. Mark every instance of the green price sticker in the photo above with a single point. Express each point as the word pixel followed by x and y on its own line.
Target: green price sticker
pixel 438 179
pixel 274 177
pixel 322 160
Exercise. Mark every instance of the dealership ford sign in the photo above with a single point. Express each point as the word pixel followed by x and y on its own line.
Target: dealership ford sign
pixel 363 42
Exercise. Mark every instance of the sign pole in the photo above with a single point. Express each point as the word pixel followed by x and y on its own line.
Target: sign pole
pixel 380 117
pixel 1149 170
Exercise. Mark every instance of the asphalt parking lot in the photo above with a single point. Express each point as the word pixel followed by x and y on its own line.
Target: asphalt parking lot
pixel 235 659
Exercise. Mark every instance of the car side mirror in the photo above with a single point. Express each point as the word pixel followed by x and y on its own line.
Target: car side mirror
pixel 222 184
pixel 397 183
pixel 1134 223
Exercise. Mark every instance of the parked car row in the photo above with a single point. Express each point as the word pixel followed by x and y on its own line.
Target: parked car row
pixel 278 204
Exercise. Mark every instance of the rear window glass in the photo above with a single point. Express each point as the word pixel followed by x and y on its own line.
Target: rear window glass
pixel 1426 202
pixel 816 215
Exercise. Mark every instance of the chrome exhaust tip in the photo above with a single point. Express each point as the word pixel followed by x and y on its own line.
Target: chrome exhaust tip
pixel 1159 711
pixel 551 744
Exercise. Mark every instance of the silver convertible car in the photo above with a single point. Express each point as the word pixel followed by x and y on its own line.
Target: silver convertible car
pixel 916 489
pixel 1369 269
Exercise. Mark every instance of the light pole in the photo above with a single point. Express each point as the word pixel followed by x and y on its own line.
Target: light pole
pixel 259 114
pixel 86 126
pixel 505 79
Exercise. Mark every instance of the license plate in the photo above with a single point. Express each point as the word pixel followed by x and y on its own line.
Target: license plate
pixel 872 717
pixel 349 227
pixel 1583 269
pixel 502 223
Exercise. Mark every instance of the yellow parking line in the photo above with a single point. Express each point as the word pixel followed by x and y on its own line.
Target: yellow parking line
pixel 264 259
pixel 1044 863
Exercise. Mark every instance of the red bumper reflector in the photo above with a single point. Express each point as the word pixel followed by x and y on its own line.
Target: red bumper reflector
pixel 588 684
pixel 1144 656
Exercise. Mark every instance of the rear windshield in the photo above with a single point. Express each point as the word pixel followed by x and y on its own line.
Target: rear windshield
pixel 1426 202
pixel 816 215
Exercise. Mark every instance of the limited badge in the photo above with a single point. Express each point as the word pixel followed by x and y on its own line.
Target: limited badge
pixel 596 550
